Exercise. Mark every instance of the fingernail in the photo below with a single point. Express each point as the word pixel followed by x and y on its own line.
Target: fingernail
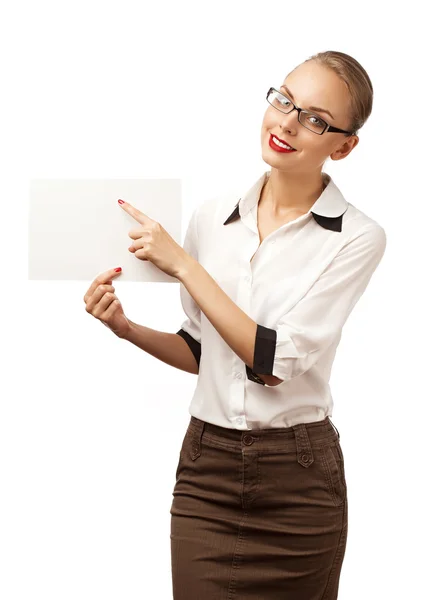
pixel 118 269
pixel 121 201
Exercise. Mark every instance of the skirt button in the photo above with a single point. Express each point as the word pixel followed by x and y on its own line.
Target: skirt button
pixel 248 439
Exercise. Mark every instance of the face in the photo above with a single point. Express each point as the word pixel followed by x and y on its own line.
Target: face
pixel 311 85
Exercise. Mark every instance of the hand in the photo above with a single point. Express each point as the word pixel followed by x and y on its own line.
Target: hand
pixel 152 242
pixel 102 303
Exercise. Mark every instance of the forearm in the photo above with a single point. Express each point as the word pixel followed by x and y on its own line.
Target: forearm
pixel 233 324
pixel 167 347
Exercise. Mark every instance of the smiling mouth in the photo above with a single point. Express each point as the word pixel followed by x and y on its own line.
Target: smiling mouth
pixel 277 145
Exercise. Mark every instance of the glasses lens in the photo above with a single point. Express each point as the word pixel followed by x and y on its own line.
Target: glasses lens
pixel 309 120
pixel 312 122
pixel 279 101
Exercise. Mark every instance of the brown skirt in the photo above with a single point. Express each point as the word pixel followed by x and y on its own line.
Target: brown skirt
pixel 259 514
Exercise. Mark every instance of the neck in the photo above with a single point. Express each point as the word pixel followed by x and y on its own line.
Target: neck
pixel 284 196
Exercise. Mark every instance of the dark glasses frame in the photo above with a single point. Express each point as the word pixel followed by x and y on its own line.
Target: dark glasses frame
pixel 327 127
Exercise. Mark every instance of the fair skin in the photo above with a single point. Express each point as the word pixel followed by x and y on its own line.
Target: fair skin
pixel 296 183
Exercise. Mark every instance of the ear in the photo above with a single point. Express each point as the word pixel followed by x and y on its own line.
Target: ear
pixel 346 148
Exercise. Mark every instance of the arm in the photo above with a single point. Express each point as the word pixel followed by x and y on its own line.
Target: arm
pixel 168 347
pixel 309 328
pixel 181 349
pixel 234 325
pixel 191 328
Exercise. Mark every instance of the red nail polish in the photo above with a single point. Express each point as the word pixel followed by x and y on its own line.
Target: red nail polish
pixel 118 270
pixel 121 201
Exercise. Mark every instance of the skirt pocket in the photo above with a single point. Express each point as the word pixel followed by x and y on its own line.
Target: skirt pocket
pixel 184 449
pixel 333 465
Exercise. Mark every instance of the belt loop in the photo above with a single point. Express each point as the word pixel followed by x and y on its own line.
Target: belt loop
pixel 196 441
pixel 304 451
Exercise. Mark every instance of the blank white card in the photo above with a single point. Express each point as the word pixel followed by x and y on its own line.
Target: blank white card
pixel 77 229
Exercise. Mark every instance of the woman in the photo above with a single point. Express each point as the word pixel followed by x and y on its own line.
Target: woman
pixel 259 506
pixel 260 502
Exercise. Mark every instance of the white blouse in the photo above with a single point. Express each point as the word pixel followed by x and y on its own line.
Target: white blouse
pixel 300 287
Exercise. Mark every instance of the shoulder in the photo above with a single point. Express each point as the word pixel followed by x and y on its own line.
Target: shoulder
pixel 365 239
pixel 357 223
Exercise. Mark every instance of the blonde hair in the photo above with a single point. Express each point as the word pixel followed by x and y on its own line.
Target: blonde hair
pixel 357 81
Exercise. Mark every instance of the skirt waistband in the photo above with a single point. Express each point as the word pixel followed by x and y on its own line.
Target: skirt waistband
pixel 298 438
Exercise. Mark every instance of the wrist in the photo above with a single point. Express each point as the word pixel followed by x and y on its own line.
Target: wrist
pixel 186 268
pixel 129 331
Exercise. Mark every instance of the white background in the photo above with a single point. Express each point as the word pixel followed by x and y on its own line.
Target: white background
pixel 91 426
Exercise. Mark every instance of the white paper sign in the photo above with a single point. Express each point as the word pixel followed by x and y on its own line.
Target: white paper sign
pixel 77 228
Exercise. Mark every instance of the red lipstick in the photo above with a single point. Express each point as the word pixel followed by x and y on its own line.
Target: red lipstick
pixel 278 148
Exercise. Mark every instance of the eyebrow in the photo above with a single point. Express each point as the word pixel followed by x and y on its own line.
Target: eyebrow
pixel 316 108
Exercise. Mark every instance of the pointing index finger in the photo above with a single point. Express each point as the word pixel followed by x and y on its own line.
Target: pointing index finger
pixel 134 212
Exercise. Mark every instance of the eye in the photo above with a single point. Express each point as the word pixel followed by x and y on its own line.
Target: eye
pixel 312 121
pixel 319 122
pixel 284 101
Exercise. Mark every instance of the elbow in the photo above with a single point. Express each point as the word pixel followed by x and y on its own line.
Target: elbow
pixel 271 380
pixel 262 378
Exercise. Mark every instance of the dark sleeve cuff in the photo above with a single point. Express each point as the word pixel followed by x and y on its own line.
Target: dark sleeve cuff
pixel 194 345
pixel 264 355
pixel 265 347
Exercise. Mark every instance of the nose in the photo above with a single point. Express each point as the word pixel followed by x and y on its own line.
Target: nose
pixel 290 122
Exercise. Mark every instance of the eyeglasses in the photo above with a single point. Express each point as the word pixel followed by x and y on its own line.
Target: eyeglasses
pixel 308 119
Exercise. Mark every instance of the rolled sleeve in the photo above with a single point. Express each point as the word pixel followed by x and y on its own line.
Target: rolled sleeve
pixel 304 333
pixel 190 329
